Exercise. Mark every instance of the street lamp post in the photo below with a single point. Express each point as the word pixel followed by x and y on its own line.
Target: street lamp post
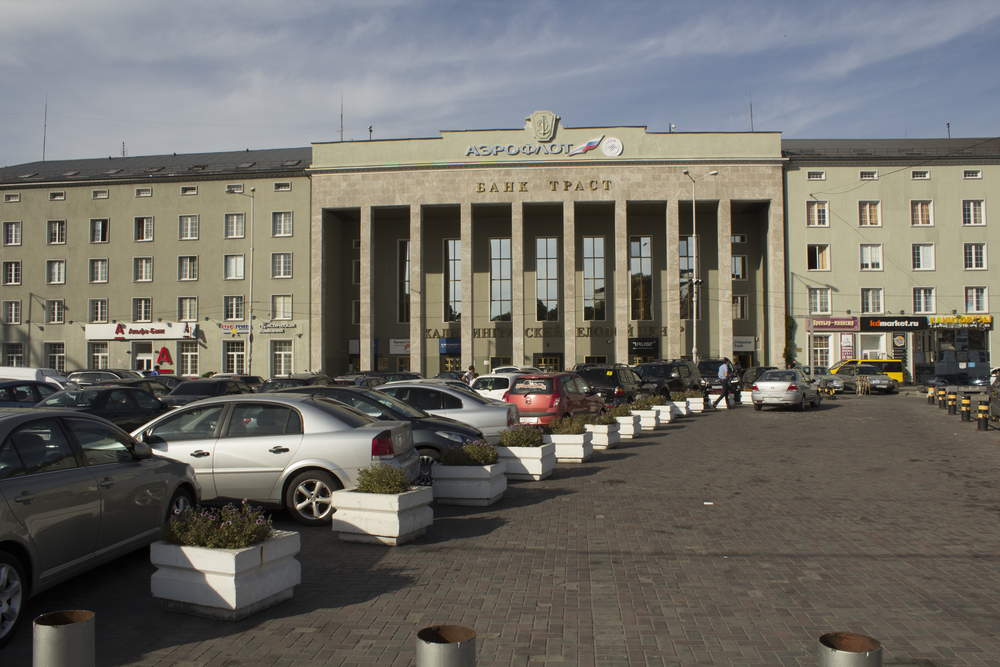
pixel 695 277
pixel 250 307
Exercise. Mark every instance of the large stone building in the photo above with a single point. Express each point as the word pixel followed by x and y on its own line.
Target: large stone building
pixel 544 245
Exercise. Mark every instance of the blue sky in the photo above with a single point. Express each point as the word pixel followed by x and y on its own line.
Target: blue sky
pixel 183 76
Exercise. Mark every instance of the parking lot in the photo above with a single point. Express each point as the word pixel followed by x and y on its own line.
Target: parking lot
pixel 729 538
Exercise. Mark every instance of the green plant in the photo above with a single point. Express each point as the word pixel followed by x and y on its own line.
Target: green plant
pixel 682 396
pixel 641 404
pixel 208 374
pixel 382 478
pixel 521 435
pixel 476 453
pixel 789 352
pixel 227 527
pixel 623 410
pixel 656 399
pixel 607 418
pixel 567 426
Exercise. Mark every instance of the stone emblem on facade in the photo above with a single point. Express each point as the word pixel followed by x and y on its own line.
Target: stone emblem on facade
pixel 543 124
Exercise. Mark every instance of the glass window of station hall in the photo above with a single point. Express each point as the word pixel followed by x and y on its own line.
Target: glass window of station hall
pixel 500 280
pixel 594 292
pixel 547 279
pixel 640 264
pixel 453 281
pixel 403 282
pixel 686 268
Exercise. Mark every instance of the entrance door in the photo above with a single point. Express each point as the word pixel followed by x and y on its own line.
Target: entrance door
pixel 451 362
pixel 635 359
pixel 548 363
pixel 143 353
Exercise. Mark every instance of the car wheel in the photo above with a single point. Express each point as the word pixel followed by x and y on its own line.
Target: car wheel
pixel 180 501
pixel 802 403
pixel 756 407
pixel 309 497
pixel 428 459
pixel 13 596
pixel 819 399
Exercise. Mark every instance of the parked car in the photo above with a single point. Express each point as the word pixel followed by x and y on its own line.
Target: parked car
pixel 617 384
pixel 95 494
pixel 676 375
pixel 150 384
pixel 995 398
pixel 877 380
pixel 282 450
pixel 514 369
pixel 394 376
pixel 751 374
pixel 50 375
pixel 170 380
pixel 544 397
pixel 366 381
pixel 126 407
pixel 253 381
pixel 432 434
pixel 894 368
pixel 93 376
pixel 790 388
pixel 494 385
pixel 955 380
pixel 451 375
pixel 24 393
pixel 446 382
pixel 294 380
pixel 463 404
pixel 821 373
pixel 196 390
pixel 710 382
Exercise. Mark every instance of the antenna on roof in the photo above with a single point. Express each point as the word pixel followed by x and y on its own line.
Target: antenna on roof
pixel 751 112
pixel 949 129
pixel 45 125
pixel 341 116
pixel 123 149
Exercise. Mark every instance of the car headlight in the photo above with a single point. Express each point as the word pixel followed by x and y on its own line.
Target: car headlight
pixel 453 436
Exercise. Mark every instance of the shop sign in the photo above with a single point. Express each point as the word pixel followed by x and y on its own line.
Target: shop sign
pixel 449 346
pixel 399 346
pixel 744 344
pixel 846 346
pixel 832 324
pixel 141 331
pixel 236 329
pixel 983 322
pixel 276 327
pixel 893 323
pixel 646 347
pixel 899 345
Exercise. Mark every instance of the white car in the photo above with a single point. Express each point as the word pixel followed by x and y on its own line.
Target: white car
pixel 463 404
pixel 495 385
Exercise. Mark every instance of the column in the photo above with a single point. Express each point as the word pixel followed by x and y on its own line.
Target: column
pixel 517 283
pixel 317 290
pixel 674 336
pixel 417 289
pixel 366 257
pixel 623 300
pixel 569 284
pixel 725 302
pixel 775 297
pixel 467 293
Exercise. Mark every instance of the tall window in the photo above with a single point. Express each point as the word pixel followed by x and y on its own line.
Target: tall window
pixel 55 311
pixel 403 280
pixel 923 299
pixel 187 309
pixel 453 281
pixel 281 307
pixel 97 311
pixel 100 230
pixel 816 214
pixel 739 267
pixel 11 312
pixel 975 300
pixel 99 357
pixel 921 213
pixel 972 212
pixel 640 265
pixel 686 265
pixel 13 354
pixel 818 256
pixel 281 358
pixel 98 271
pixel 55 271
pixel 819 300
pixel 144 229
pixel 232 307
pixel 871 257
pixel 12 273
pixel 234 358
pixel 594 286
pixel 869 214
pixel 142 309
pixel 547 279
pixel 235 225
pixel 187 357
pixel 55 356
pixel 281 223
pixel 923 256
pixel 871 300
pixel 187 267
pixel 12 233
pixel 500 280
pixel 740 309
pixel 57 232
pixel 281 265
pixel 820 354
pixel 233 265
pixel 188 228
pixel 975 256
pixel 142 269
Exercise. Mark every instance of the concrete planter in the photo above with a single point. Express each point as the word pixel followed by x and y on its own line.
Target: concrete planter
pixel 666 413
pixel 696 405
pixel 383 518
pixel 604 436
pixel 680 408
pixel 474 486
pixel 534 463
pixel 226 584
pixel 575 448
pixel 648 419
pixel 628 426
pixel 746 397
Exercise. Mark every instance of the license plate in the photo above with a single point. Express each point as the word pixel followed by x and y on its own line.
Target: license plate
pixel 529 420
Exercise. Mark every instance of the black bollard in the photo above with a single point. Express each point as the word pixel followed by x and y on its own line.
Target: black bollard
pixel 966 408
pixel 984 416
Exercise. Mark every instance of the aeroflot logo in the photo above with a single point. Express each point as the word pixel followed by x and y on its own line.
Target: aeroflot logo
pixel 888 324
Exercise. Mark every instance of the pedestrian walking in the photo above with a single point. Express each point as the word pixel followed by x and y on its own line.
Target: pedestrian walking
pixel 724 377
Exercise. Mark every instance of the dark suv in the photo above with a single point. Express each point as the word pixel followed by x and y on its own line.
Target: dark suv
pixel 616 384
pixel 675 375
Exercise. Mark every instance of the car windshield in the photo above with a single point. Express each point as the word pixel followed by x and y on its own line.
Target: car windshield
pixel 395 404
pixel 350 416
pixel 652 370
pixel 867 370
pixel 532 386
pixel 709 367
pixel 195 389
pixel 82 398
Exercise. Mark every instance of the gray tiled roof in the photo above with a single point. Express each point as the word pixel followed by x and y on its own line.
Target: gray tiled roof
pixel 905 149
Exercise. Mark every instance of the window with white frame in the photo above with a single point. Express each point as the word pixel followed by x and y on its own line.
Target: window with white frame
pixel 12 233
pixel 12 273
pixel 972 212
pixel 187 190
pixel 187 358
pixel 819 353
pixel 98 271
pixel 235 225
pixel 232 308
pixel 142 269
pixel 739 267
pixel 234 356
pixel 144 228
pixel 972 173
pixel 57 232
pixel 921 213
pixel 871 256
pixel 815 175
pixel 11 197
pixel 281 306
pixel 55 356
pixel 871 300
pixel 144 192
pixel 594 280
pixel 283 186
pixel 819 301
pixel 13 354
pixel 281 265
pixel 97 311
pixel 142 309
pixel 188 227
pixel 100 230
pixel 975 256
pixel 452 281
pixel 818 256
pixel 99 194
pixel 740 307
pixel 923 256
pixel 11 312
pixel 923 300
pixel 816 214
pixel 99 357
pixel 281 358
pixel 233 267
pixel 739 238
pixel 281 223
pixel 920 175
pixel 187 267
pixel 547 279
pixel 975 300
pixel 55 272
pixel 235 188
pixel 187 308
pixel 57 196
pixel 869 214
pixel 868 175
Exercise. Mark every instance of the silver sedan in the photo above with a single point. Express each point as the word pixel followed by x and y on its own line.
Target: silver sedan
pixel 462 404
pixel 788 387
pixel 279 450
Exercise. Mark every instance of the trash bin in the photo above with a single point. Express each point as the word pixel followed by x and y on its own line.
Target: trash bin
pixel 64 639
pixel 847 649
pixel 446 646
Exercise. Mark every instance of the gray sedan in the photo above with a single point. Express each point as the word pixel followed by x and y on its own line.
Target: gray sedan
pixel 463 404
pixel 75 492
pixel 788 387
pixel 865 374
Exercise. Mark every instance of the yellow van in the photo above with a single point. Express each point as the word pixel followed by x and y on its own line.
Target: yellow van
pixel 892 367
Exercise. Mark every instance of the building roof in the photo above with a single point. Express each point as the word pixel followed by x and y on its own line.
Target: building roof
pixel 903 149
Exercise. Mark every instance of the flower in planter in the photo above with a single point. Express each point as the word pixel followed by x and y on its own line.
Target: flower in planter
pixel 382 478
pixel 476 453
pixel 227 527
pixel 521 435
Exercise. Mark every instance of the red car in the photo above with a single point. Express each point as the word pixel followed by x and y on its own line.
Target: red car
pixel 543 397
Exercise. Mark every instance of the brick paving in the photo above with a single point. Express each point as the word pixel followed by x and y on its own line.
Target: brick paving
pixel 875 515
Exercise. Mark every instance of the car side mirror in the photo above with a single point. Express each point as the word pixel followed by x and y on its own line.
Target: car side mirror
pixel 142 450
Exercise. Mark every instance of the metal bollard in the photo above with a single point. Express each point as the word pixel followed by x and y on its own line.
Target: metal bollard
pixel 446 646
pixel 847 649
pixel 931 396
pixel 952 402
pixel 64 639
pixel 966 408
pixel 984 416
pixel 941 398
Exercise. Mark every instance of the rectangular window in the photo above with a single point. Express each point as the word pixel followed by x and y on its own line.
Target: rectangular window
pixel 819 300
pixel 500 280
pixel 453 281
pixel 640 264
pixel 97 311
pixel 142 309
pixel 547 279
pixel 187 267
pixel 686 266
pixel 283 187
pixel 235 188
pixel 818 257
pixel 234 360
pixel 12 233
pixel 142 269
pixel 144 192
pixel 12 273
pixel 403 281
pixel 920 175
pixel 923 300
pixel 99 357
pixel 868 175
pixel 233 266
pixel 235 225
pixel 972 212
pixel 740 311
pixel 187 309
pixel 11 312
pixel 281 358
pixel 739 267
pixel 815 175
pixel 871 300
pixel 972 173
pixel 12 197
pixel 100 230
pixel 281 223
pixel 13 354
pixel 55 356
pixel 98 270
pixel 281 265
pixel 189 190
pixel 739 238
pixel 55 272
pixel 594 279
pixel 281 306
pixel 975 300
pixel 187 358
pixel 975 256
pixel 355 312
pixel 871 256
pixel 232 307
pixel 144 229
pixel 356 272
pixel 921 213
pixel 820 354
pixel 869 214
pixel 923 256
pixel 57 232
pixel 99 194
pixel 816 214
pixel 57 196
pixel 188 227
